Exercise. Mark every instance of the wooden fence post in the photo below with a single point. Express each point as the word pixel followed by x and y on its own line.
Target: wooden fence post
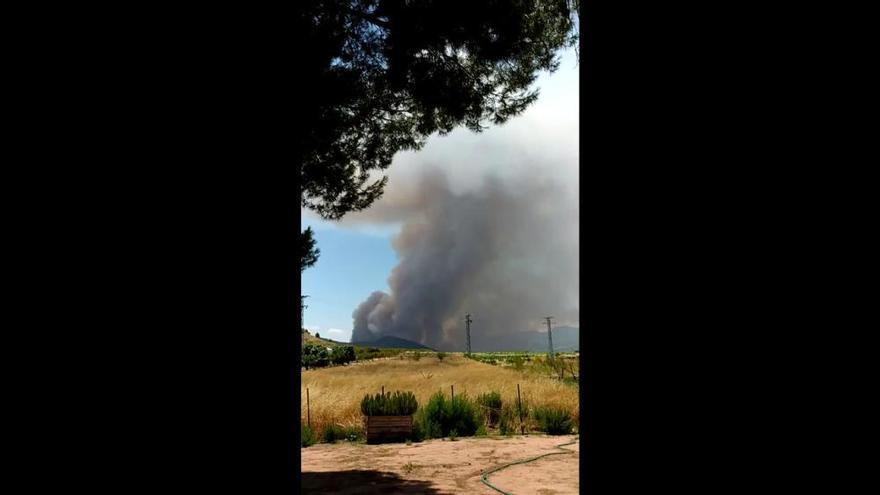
pixel 453 391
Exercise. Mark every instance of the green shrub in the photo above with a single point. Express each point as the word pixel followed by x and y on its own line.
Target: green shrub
pixel 432 416
pixel 491 403
pixel 553 421
pixel 441 416
pixel 307 436
pixel 481 431
pixel 315 356
pixel 464 415
pixel 418 433
pixel 441 355
pixel 332 433
pixel 429 427
pixel 434 430
pixel 397 404
pixel 353 433
pixel 416 356
pixel 453 435
pixel 342 355
pixel 509 420
pixel 506 421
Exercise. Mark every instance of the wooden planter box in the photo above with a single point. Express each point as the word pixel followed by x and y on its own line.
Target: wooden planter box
pixel 385 428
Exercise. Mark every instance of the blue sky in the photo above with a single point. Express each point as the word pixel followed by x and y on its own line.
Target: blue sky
pixel 356 254
pixel 352 264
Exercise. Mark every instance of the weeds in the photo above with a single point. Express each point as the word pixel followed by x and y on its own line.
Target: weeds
pixel 514 419
pixel 353 434
pixel 553 421
pixel 332 433
pixel 518 363
pixel 491 403
pixel 507 421
pixel 307 436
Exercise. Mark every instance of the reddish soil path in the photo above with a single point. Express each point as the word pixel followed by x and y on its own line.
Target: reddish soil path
pixel 441 467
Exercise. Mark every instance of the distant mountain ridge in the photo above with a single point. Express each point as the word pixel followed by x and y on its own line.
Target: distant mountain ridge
pixel 565 339
pixel 392 342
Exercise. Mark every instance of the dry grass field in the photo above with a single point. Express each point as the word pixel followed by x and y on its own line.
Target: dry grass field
pixel 335 393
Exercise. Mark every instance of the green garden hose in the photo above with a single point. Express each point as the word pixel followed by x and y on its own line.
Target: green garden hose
pixel 499 468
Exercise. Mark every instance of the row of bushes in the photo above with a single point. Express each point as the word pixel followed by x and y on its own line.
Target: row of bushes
pixel 461 416
pixel 316 356
pixel 445 417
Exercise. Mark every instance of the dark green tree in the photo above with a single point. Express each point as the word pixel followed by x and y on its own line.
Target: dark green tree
pixel 315 356
pixel 308 253
pixel 380 76
pixel 342 355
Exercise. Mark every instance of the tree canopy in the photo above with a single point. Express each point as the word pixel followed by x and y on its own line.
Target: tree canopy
pixel 380 76
pixel 308 254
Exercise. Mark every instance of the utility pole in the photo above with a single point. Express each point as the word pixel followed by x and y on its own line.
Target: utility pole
pixel 467 321
pixel 549 334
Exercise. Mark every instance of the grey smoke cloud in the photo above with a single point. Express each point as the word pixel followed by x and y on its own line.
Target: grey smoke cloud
pixel 488 225
pixel 505 252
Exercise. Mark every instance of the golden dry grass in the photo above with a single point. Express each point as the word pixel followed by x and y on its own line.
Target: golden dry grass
pixel 335 393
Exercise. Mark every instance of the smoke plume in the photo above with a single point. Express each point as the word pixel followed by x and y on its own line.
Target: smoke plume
pixel 505 251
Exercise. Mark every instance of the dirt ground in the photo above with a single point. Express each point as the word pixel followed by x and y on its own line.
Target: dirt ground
pixel 442 466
